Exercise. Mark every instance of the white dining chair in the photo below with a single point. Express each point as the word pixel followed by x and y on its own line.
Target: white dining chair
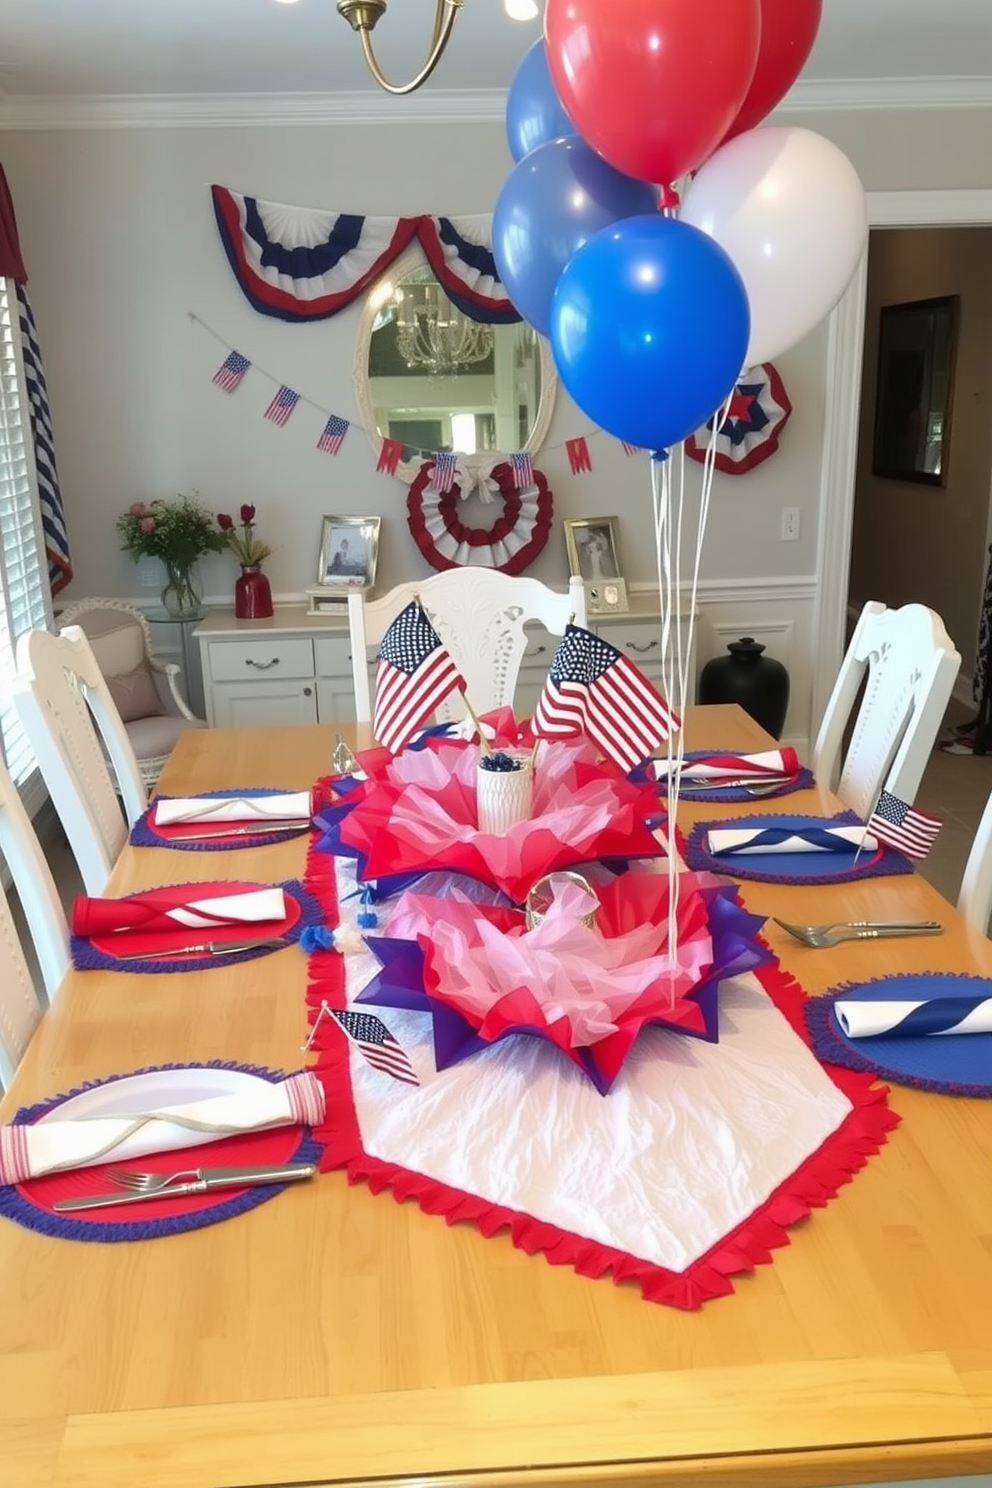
pixel 975 896
pixel 480 614
pixel 902 664
pixel 62 699
pixel 121 639
pixel 20 1004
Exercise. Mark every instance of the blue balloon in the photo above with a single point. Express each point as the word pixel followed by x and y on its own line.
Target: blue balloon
pixel 534 112
pixel 551 203
pixel 649 327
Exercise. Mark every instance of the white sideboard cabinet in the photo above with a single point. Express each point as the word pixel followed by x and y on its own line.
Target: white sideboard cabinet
pixel 296 667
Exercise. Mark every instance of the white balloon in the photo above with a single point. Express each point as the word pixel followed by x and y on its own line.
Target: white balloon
pixel 789 209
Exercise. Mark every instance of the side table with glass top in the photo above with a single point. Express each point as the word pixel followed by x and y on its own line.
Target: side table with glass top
pixel 177 645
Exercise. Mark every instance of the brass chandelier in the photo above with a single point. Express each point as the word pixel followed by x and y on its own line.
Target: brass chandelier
pixel 362 16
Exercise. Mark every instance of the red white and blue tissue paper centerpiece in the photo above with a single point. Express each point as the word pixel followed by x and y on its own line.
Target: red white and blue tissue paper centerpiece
pixel 418 811
pixel 589 990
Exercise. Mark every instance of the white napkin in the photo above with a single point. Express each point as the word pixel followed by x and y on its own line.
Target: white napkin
pixel 739 840
pixel 293 805
pixel 27 1151
pixel 873 1019
pixel 725 765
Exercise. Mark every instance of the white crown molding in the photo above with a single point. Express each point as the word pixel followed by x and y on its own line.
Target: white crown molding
pixel 268 110
pixel 246 110
pixel 813 95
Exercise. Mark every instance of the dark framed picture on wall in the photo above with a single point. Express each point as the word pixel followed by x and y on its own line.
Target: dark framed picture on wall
pixel 917 343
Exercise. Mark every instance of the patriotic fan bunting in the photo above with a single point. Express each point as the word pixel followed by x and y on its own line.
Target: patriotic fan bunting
pixel 759 411
pixel 518 533
pixel 594 689
pixel 301 263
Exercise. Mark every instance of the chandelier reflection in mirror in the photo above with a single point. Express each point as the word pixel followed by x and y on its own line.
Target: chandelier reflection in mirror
pixel 432 335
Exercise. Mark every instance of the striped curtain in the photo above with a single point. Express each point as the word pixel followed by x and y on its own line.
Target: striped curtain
pixel 49 493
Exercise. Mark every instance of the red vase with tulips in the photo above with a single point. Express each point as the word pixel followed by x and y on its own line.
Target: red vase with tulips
pixel 252 594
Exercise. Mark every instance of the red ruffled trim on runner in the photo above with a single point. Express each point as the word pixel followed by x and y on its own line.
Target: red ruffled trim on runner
pixel 480 537
pixel 810 1186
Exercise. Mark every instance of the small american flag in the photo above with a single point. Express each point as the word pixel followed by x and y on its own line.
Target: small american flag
pixel 333 434
pixel 231 371
pixel 376 1044
pixel 903 827
pixel 523 470
pixel 630 449
pixel 414 676
pixel 594 689
pixel 444 470
pixel 282 405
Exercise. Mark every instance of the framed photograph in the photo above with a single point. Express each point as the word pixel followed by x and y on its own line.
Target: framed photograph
pixel 349 548
pixel 914 391
pixel 593 552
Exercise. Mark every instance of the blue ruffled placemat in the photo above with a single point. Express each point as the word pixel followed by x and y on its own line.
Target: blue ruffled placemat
pixel 16 1204
pixel 143 833
pixel 730 793
pixel 802 867
pixel 952 1064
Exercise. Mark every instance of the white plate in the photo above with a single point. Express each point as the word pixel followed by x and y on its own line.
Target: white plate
pixel 152 1090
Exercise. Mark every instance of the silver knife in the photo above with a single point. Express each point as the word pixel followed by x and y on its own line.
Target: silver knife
pixel 203 947
pixel 206 1180
pixel 255 829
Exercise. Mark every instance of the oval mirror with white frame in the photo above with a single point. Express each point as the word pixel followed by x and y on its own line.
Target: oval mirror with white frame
pixel 428 375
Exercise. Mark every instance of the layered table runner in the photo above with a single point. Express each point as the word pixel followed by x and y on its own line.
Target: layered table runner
pixel 688 1172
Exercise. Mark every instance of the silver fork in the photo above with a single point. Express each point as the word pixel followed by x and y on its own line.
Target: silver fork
pixel 822 936
pixel 149 1182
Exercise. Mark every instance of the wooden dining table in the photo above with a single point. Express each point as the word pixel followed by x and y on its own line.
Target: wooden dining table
pixel 334 1336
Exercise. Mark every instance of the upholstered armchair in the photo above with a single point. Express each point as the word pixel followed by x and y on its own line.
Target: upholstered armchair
pixel 121 641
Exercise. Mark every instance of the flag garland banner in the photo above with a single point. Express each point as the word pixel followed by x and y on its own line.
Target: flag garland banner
pixel 759 411
pixel 901 826
pixel 307 263
pixel 43 438
pixel 389 456
pixel 522 468
pixel 444 470
pixel 282 405
pixel 231 370
pixel 375 1043
pixel 332 435
pixel 578 455
pixel 415 674
pixel 594 689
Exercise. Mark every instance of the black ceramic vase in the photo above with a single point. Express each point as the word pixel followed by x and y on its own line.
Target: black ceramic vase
pixel 758 683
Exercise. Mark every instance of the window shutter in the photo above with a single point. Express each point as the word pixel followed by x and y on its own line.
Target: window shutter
pixel 24 597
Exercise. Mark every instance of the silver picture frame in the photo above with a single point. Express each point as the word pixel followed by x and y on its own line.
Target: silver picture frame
pixel 349 552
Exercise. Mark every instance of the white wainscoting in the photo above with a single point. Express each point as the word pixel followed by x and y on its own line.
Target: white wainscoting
pixel 779 613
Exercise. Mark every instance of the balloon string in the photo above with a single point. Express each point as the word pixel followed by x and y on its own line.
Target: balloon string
pixel 661 493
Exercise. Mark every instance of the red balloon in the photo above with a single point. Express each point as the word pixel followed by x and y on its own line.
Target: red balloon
pixel 653 85
pixel 788 31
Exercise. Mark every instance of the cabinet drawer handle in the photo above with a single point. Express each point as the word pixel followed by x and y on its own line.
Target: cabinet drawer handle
pixel 262 666
pixel 308 692
pixel 640 646
pixel 535 651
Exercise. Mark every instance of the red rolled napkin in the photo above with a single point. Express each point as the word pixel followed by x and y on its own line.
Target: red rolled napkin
pixel 163 909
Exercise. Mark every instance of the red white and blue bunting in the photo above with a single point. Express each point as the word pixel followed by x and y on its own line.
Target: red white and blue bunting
pixel 302 263
pixel 522 518
pixel 759 411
